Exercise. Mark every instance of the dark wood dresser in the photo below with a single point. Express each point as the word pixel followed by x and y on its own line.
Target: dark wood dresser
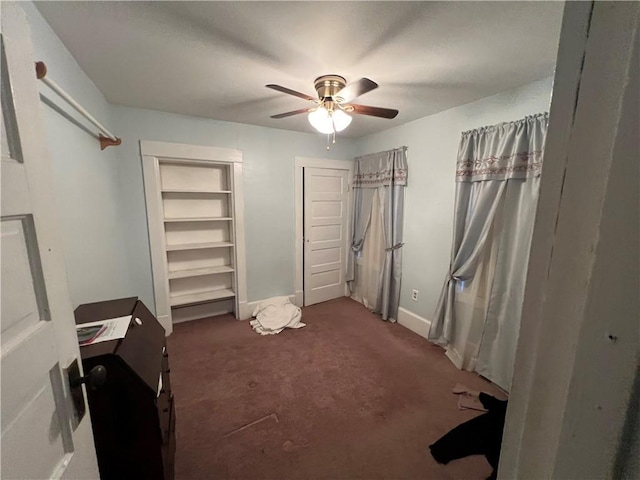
pixel 132 414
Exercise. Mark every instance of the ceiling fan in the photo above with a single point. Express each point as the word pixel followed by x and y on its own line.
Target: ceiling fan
pixel 331 109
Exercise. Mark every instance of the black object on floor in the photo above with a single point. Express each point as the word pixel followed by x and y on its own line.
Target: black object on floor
pixel 479 436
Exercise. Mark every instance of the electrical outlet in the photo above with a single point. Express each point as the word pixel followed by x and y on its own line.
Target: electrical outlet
pixel 414 295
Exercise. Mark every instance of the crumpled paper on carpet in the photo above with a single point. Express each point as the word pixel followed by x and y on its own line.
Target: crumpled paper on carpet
pixel 275 314
pixel 468 399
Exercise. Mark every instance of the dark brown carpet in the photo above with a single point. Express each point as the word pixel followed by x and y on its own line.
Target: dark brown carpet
pixel 348 396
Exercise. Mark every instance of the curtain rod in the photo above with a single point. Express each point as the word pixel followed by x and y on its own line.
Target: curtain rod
pixel 108 138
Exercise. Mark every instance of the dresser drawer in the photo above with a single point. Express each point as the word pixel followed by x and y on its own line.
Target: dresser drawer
pixel 169 448
pixel 166 370
pixel 165 411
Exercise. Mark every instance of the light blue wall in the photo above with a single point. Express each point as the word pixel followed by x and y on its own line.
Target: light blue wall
pixel 101 198
pixel 433 145
pixel 268 155
pixel 86 180
pixel 100 194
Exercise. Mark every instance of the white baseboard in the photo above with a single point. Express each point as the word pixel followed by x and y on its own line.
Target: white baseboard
pixel 299 298
pixel 244 311
pixel 251 306
pixel 458 360
pixel 453 355
pixel 413 322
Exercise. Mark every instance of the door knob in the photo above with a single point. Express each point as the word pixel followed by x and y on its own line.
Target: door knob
pixel 96 378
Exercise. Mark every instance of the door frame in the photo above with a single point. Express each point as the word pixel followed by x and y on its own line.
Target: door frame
pixel 299 165
pixel 557 424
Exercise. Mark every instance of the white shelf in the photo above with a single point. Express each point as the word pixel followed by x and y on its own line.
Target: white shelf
pixel 199 297
pixel 198 219
pixel 203 192
pixel 196 272
pixel 193 197
pixel 196 246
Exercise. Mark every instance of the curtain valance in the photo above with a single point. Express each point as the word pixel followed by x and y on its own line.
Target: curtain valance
pixel 503 151
pixel 381 169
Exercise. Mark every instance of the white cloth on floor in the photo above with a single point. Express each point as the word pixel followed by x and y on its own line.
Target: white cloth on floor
pixel 275 314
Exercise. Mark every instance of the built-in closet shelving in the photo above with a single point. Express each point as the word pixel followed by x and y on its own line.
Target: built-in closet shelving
pixel 198 230
pixel 197 205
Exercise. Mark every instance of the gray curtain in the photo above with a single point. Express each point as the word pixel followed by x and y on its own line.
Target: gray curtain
pixel 489 159
pixel 497 351
pixel 476 207
pixel 384 174
pixel 362 204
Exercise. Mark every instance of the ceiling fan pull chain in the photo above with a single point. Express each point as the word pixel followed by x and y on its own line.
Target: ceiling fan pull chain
pixel 328 148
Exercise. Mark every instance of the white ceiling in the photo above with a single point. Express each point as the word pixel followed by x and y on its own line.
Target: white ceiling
pixel 212 59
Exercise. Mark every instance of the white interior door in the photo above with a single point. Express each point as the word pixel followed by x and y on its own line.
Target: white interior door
pixel 41 436
pixel 326 222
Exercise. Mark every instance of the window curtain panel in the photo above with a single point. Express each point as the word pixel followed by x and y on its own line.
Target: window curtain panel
pixel 497 172
pixel 383 174
pixel 370 262
pixel 502 322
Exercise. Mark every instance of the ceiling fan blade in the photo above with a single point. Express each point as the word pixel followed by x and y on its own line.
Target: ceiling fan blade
pixel 289 114
pixel 282 89
pixel 374 111
pixel 354 90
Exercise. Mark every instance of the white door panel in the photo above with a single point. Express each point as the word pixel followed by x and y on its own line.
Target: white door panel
pixel 20 307
pixel 33 355
pixel 326 209
pixel 326 256
pixel 40 436
pixel 325 231
pixel 30 434
pixel 325 235
pixel 14 186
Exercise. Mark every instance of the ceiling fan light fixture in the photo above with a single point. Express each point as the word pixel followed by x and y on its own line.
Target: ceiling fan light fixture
pixel 328 122
pixel 341 120
pixel 320 119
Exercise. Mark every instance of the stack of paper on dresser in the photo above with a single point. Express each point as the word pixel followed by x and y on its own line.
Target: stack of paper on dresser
pixel 274 315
